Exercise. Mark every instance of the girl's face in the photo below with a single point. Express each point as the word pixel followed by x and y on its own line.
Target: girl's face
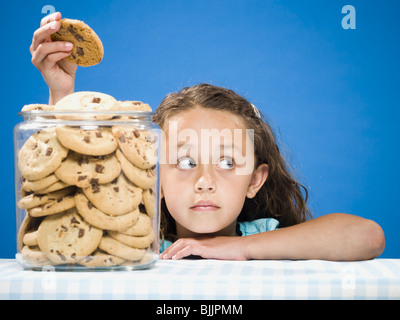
pixel 201 181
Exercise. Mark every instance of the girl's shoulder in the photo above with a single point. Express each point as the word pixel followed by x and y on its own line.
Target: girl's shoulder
pixel 247 228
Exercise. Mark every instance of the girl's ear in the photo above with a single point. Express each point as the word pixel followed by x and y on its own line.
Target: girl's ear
pixel 258 179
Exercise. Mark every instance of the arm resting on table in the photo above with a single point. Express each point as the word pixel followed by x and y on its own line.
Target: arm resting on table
pixel 331 237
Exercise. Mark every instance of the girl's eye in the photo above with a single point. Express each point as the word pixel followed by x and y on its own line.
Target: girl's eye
pixel 226 163
pixel 186 163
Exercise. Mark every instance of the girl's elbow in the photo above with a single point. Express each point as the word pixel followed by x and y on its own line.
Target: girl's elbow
pixel 375 239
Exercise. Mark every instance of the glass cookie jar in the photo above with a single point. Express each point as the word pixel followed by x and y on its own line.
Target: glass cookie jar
pixel 87 190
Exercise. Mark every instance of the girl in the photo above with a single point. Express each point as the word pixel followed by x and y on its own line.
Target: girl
pixel 221 207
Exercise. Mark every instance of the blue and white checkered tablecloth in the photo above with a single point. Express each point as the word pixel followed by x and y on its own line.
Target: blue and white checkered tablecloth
pixel 211 279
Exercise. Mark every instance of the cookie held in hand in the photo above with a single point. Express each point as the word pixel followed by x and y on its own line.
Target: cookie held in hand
pixel 88 49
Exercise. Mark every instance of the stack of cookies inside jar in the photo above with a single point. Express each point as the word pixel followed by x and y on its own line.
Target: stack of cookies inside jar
pixel 88 191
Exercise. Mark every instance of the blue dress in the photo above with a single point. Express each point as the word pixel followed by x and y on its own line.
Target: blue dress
pixel 243 229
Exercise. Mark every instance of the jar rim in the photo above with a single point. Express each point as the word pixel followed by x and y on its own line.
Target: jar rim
pixel 85 112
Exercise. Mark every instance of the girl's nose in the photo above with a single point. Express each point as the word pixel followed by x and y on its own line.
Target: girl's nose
pixel 205 182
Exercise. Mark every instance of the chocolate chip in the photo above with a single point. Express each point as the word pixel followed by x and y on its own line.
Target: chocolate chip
pixel 150 138
pixel 90 205
pixel 71 29
pixel 80 178
pixel 96 100
pixel 99 168
pixel 88 259
pixel 122 138
pixel 73 220
pixel 98 134
pixel 150 173
pixel 62 257
pixel 86 139
pixel 95 185
pixel 142 208
pixel 79 37
pixel 83 160
pixel 136 133
pixel 81 233
pixel 116 189
pixel 79 51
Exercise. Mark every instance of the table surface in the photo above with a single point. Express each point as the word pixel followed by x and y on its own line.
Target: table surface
pixel 211 279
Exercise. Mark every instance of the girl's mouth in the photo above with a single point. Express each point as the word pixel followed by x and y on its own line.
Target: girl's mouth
pixel 205 205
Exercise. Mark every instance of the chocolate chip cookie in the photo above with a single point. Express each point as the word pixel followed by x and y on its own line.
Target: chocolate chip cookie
pixel 88 171
pixel 88 49
pixel 86 101
pixel 101 220
pixel 138 146
pixel 41 154
pixel 115 198
pixel 95 142
pixel 67 238
pixel 143 178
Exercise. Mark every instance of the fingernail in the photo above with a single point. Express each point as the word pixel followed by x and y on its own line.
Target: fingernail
pixel 68 45
pixel 52 25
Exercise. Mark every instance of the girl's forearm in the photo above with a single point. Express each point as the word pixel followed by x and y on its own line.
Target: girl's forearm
pixel 330 237
pixel 54 97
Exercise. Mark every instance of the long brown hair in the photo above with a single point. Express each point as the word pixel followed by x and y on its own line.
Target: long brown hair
pixel 281 197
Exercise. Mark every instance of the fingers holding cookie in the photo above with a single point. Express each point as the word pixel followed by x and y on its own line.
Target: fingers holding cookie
pixel 55 16
pixel 44 51
pixel 48 26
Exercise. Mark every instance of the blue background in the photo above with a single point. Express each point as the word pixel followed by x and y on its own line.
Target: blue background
pixel 331 94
